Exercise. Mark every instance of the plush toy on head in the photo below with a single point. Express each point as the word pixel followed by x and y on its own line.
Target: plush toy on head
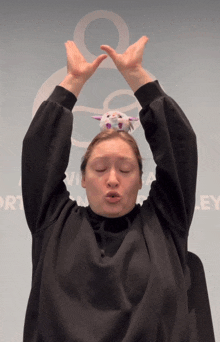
pixel 116 120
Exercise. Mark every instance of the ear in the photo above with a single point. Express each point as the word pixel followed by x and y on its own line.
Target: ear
pixel 83 181
pixel 97 117
pixel 133 119
pixel 140 184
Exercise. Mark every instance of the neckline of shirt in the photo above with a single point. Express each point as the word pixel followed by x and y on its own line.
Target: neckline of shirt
pixel 116 224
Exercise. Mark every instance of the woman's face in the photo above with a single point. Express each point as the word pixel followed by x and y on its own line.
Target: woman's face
pixel 112 178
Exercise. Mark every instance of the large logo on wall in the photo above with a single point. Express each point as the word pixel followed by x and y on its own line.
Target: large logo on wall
pixel 80 137
pixel 79 39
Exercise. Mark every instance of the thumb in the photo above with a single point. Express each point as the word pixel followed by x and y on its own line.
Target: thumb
pixel 98 61
pixel 110 51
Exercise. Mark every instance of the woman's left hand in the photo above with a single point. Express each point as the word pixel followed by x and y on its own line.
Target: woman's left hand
pixel 130 63
pixel 131 59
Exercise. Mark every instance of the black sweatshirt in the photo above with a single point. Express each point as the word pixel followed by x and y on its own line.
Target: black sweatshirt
pixel 98 279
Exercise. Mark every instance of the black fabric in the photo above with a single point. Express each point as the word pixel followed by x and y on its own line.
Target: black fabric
pixel 110 232
pixel 98 279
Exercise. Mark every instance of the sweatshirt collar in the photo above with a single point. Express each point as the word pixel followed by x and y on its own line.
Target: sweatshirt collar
pixel 112 224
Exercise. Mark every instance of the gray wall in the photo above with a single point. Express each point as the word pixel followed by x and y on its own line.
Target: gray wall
pixel 183 54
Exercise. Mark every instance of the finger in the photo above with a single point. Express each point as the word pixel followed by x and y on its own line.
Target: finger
pixel 143 40
pixel 69 45
pixel 141 44
pixel 98 61
pixel 110 51
pixel 72 48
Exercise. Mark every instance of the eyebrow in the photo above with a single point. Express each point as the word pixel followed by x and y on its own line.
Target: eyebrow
pixel 127 159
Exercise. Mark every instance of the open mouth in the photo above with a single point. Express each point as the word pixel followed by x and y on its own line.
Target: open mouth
pixel 113 197
pixel 112 194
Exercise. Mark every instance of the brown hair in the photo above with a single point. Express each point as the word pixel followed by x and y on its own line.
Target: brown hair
pixel 107 135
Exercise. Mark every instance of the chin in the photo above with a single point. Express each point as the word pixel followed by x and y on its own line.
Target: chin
pixel 115 212
pixel 110 213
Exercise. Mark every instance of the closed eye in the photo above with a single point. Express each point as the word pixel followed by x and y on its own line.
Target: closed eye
pixel 123 171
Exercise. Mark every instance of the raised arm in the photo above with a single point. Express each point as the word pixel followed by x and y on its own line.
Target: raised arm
pixel 171 138
pixel 47 144
pixel 173 145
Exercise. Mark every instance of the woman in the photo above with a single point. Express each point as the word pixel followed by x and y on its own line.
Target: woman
pixel 115 270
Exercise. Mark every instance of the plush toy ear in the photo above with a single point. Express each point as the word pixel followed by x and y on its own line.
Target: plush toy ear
pixel 133 119
pixel 97 117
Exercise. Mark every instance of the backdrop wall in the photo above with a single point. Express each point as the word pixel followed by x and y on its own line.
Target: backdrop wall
pixel 183 54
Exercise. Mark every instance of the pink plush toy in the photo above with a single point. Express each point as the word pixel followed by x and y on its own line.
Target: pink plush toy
pixel 116 120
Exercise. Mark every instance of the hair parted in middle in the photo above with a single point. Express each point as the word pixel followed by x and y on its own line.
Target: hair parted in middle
pixel 107 135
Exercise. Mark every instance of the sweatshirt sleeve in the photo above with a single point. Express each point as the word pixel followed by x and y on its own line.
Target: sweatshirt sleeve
pixel 45 156
pixel 173 145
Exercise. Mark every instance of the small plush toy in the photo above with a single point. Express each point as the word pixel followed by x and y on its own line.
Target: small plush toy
pixel 116 120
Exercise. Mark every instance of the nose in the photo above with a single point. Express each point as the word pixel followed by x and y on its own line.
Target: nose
pixel 112 180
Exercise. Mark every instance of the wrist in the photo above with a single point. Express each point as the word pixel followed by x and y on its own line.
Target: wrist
pixel 73 84
pixel 136 77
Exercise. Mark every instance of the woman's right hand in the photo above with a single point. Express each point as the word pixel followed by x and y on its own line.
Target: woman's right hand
pixel 78 69
pixel 77 64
